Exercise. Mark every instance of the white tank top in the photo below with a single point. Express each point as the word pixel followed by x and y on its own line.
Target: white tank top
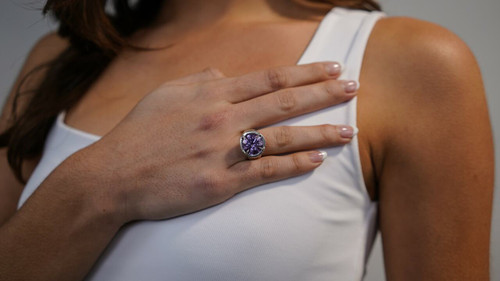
pixel 316 227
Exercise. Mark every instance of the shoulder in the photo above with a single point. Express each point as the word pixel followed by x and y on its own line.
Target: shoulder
pixel 420 83
pixel 49 45
pixel 46 49
pixel 420 54
pixel 407 34
pixel 424 120
pixel 417 67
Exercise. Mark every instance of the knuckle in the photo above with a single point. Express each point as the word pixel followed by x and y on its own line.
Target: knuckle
pixel 166 87
pixel 268 168
pixel 319 70
pixel 283 136
pixel 210 185
pixel 287 101
pixel 198 152
pixel 214 120
pixel 328 133
pixel 331 88
pixel 296 163
pixel 213 72
pixel 207 89
pixel 277 78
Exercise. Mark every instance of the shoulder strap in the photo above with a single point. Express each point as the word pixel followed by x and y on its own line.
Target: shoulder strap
pixel 342 36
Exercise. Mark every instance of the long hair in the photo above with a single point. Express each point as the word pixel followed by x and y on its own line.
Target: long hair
pixel 95 38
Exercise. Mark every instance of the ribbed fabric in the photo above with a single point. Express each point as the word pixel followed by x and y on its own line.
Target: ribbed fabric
pixel 317 227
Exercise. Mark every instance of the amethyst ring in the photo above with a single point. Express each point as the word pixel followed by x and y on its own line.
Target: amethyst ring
pixel 253 144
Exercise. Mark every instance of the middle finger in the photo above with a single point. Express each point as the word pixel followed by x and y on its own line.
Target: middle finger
pixel 288 103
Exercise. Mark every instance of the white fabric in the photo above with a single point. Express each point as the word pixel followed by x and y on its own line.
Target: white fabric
pixel 316 227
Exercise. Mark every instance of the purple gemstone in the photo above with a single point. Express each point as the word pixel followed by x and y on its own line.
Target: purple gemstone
pixel 253 144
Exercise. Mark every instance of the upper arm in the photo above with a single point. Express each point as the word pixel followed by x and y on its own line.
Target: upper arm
pixel 433 153
pixel 46 49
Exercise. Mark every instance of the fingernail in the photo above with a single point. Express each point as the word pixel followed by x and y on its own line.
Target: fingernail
pixel 318 156
pixel 334 68
pixel 350 86
pixel 347 131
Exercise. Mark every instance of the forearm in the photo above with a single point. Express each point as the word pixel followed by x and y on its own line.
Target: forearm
pixel 58 234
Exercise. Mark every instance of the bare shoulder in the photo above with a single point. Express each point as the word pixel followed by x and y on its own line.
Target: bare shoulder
pixel 419 72
pixel 425 128
pixel 417 53
pixel 46 49
pixel 420 87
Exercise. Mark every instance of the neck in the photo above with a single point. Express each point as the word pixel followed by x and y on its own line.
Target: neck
pixel 199 13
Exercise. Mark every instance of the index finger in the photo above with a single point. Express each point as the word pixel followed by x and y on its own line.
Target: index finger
pixel 258 83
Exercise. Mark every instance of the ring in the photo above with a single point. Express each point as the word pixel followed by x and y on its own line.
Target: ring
pixel 253 144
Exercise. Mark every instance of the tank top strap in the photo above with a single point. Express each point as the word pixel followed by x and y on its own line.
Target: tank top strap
pixel 342 36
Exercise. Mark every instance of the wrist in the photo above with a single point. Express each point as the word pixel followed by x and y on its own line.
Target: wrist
pixel 81 182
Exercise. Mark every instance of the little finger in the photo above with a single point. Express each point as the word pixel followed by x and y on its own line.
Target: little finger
pixel 286 139
pixel 247 174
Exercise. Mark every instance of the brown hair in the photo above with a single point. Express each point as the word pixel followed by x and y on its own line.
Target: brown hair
pixel 95 38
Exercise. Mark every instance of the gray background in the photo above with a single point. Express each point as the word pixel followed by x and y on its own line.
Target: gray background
pixel 477 22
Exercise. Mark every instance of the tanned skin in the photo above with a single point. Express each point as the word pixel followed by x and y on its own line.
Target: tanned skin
pixel 425 137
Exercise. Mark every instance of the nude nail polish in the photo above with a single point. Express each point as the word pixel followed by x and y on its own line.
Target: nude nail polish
pixel 347 131
pixel 350 86
pixel 318 156
pixel 333 68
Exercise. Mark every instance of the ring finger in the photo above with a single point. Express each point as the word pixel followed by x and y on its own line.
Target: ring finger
pixel 287 139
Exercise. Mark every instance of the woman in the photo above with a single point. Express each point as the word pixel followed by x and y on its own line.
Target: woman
pixel 425 150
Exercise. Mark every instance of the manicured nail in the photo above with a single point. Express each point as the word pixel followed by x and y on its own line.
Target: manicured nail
pixel 334 68
pixel 350 86
pixel 347 131
pixel 318 156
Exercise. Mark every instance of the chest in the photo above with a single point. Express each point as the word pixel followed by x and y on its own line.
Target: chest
pixel 233 50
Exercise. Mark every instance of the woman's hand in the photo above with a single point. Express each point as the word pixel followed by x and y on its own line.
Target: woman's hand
pixel 178 150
